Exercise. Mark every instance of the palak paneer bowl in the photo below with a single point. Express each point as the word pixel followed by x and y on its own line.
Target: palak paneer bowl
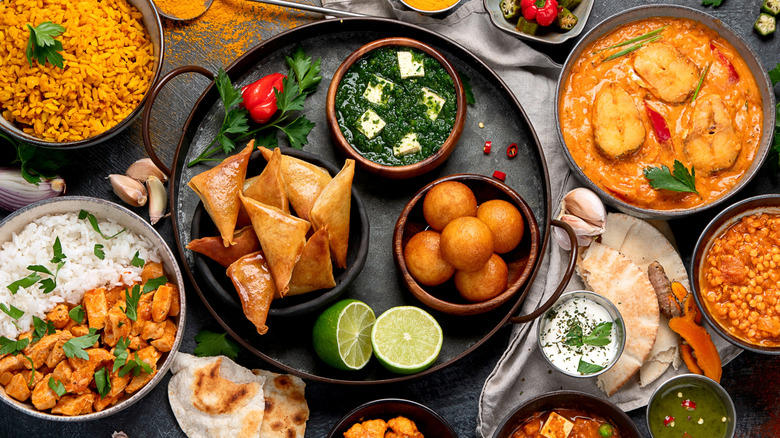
pixel 656 85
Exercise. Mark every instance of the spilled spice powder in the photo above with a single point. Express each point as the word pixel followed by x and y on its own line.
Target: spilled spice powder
pixel 184 9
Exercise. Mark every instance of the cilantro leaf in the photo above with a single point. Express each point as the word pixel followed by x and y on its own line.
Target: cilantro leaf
pixel 99 251
pixel 713 3
pixel 135 365
pixel 11 311
pixel 41 328
pixel 32 370
pixel 57 250
pixel 24 282
pixel 75 346
pixel 298 132
pixel 678 181
pixel 57 387
pixel 229 95
pixel 138 262
pixel 77 314
pixel 84 214
pixel 588 368
pixel 774 74
pixel 290 98
pixel 103 382
pixel 131 297
pixel 214 344
pixel 9 346
pixel 42 46
pixel 152 284
pixel 467 88
pixel 40 268
pixel 600 335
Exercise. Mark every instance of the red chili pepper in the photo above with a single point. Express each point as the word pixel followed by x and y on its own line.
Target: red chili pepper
pixel 659 124
pixel 543 11
pixel 669 420
pixel 499 175
pixel 259 98
pixel 688 404
pixel 511 150
pixel 486 148
pixel 733 75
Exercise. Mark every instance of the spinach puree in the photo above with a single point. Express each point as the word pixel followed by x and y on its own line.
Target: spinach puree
pixel 401 106
pixel 705 420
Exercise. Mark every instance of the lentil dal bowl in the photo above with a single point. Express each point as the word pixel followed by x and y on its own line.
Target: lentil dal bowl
pixel 736 274
pixel 112 52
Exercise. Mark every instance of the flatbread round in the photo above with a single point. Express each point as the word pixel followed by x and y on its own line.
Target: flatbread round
pixel 615 277
pixel 286 410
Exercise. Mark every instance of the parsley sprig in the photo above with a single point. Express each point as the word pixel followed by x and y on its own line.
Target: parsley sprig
pixel 588 368
pixel 301 81
pixel 42 328
pixel 48 284
pixel 9 346
pixel 84 214
pixel 75 346
pixel 680 180
pixel 713 3
pixel 215 344
pixel 42 46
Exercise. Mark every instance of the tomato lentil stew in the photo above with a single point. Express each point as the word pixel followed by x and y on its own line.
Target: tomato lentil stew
pixel 740 279
pixel 565 422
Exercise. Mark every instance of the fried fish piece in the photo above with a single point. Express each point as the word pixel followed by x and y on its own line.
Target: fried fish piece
pixel 669 74
pixel 618 128
pixel 712 144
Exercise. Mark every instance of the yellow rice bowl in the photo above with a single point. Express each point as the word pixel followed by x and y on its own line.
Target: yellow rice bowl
pixel 108 66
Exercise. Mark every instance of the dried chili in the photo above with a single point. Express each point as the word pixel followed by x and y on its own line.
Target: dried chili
pixel 511 151
pixel 486 148
pixel 499 175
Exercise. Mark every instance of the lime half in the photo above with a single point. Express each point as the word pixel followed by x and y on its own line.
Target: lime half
pixel 342 334
pixel 406 339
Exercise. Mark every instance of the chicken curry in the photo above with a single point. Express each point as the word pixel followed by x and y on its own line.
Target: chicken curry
pixel 86 358
pixel 680 93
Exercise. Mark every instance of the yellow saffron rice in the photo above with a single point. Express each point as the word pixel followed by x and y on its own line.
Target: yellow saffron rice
pixel 108 60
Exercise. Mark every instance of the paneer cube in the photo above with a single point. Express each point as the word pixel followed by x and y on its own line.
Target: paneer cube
pixel 433 102
pixel 409 66
pixel 370 124
pixel 377 91
pixel 407 145
pixel 556 426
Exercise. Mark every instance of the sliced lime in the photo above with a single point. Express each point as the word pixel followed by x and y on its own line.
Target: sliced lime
pixel 342 334
pixel 406 339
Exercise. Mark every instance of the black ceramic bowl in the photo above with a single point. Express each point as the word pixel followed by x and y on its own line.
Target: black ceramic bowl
pixel 568 400
pixel 216 281
pixel 428 422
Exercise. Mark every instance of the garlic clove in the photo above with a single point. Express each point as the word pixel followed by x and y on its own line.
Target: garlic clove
pixel 144 168
pixel 129 190
pixel 585 232
pixel 158 199
pixel 586 205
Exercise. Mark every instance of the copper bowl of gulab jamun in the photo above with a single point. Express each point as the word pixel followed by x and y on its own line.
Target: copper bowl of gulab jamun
pixel 465 244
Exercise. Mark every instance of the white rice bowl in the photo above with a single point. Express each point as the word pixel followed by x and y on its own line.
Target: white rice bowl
pixel 82 270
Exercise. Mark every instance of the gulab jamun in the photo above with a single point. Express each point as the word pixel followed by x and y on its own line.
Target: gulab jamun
pixel 466 243
pixel 505 221
pixel 447 201
pixel 484 283
pixel 424 261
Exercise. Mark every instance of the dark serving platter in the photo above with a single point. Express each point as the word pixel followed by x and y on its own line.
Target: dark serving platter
pixel 287 344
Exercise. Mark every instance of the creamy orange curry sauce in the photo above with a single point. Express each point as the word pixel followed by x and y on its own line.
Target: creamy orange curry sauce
pixel 606 108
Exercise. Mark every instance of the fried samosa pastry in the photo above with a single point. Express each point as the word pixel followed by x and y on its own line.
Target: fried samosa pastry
pixel 218 188
pixel 244 242
pixel 282 238
pixel 314 271
pixel 332 210
pixel 303 182
pixel 255 286
pixel 268 187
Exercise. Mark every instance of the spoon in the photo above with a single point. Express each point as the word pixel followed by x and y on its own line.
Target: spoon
pixel 286 4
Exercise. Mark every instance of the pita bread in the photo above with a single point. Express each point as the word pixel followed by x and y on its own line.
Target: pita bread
pixel 218 188
pixel 213 397
pixel 615 277
pixel 630 236
pixel 255 287
pixel 332 210
pixel 314 270
pixel 268 187
pixel 286 410
pixel 303 182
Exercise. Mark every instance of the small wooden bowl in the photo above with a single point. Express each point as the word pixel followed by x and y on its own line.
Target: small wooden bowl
pixel 410 170
pixel 520 260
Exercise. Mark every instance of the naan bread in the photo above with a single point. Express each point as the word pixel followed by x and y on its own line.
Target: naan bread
pixel 255 287
pixel 286 410
pixel 213 397
pixel 643 243
pixel 282 237
pixel 615 277
pixel 314 270
pixel 218 188
pixel 244 242
pixel 303 182
pixel 268 187
pixel 332 210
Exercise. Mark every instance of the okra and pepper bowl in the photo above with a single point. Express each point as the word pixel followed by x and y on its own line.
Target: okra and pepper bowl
pixel 92 309
pixel 664 111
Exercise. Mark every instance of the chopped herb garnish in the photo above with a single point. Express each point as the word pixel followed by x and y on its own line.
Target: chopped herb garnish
pixel 57 387
pixel 103 382
pixel 42 46
pixel 57 250
pixel 42 328
pixel 32 370
pixel 642 37
pixel 136 366
pixel 77 314
pixel 630 49
pixel 138 262
pixel 9 346
pixel 120 351
pixel 599 336
pixel 131 297
pixel 701 81
pixel 24 282
pixel 11 311
pixel 574 336
pixel 588 368
pixel 83 214
pixel 679 181
pixel 713 3
pixel 75 346
pixel 99 251
pixel 152 284
pixel 214 344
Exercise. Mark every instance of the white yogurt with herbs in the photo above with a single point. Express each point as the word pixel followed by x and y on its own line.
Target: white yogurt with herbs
pixel 579 337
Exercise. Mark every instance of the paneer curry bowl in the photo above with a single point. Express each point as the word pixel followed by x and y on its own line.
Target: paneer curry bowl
pixel 91 309
pixel 664 115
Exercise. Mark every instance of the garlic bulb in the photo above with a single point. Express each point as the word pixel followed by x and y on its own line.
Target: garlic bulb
pixel 583 210
pixel 129 190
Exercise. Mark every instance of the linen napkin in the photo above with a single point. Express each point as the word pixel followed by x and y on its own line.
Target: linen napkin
pixel 522 372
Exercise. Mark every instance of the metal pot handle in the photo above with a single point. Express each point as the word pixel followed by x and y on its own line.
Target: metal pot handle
pixel 148 109
pixel 564 281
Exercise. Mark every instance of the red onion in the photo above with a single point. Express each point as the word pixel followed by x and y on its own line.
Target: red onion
pixel 16 192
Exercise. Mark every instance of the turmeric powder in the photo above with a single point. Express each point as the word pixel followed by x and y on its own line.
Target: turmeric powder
pixel 184 9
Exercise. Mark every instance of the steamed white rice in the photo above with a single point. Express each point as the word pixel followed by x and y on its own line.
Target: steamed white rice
pixel 81 272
